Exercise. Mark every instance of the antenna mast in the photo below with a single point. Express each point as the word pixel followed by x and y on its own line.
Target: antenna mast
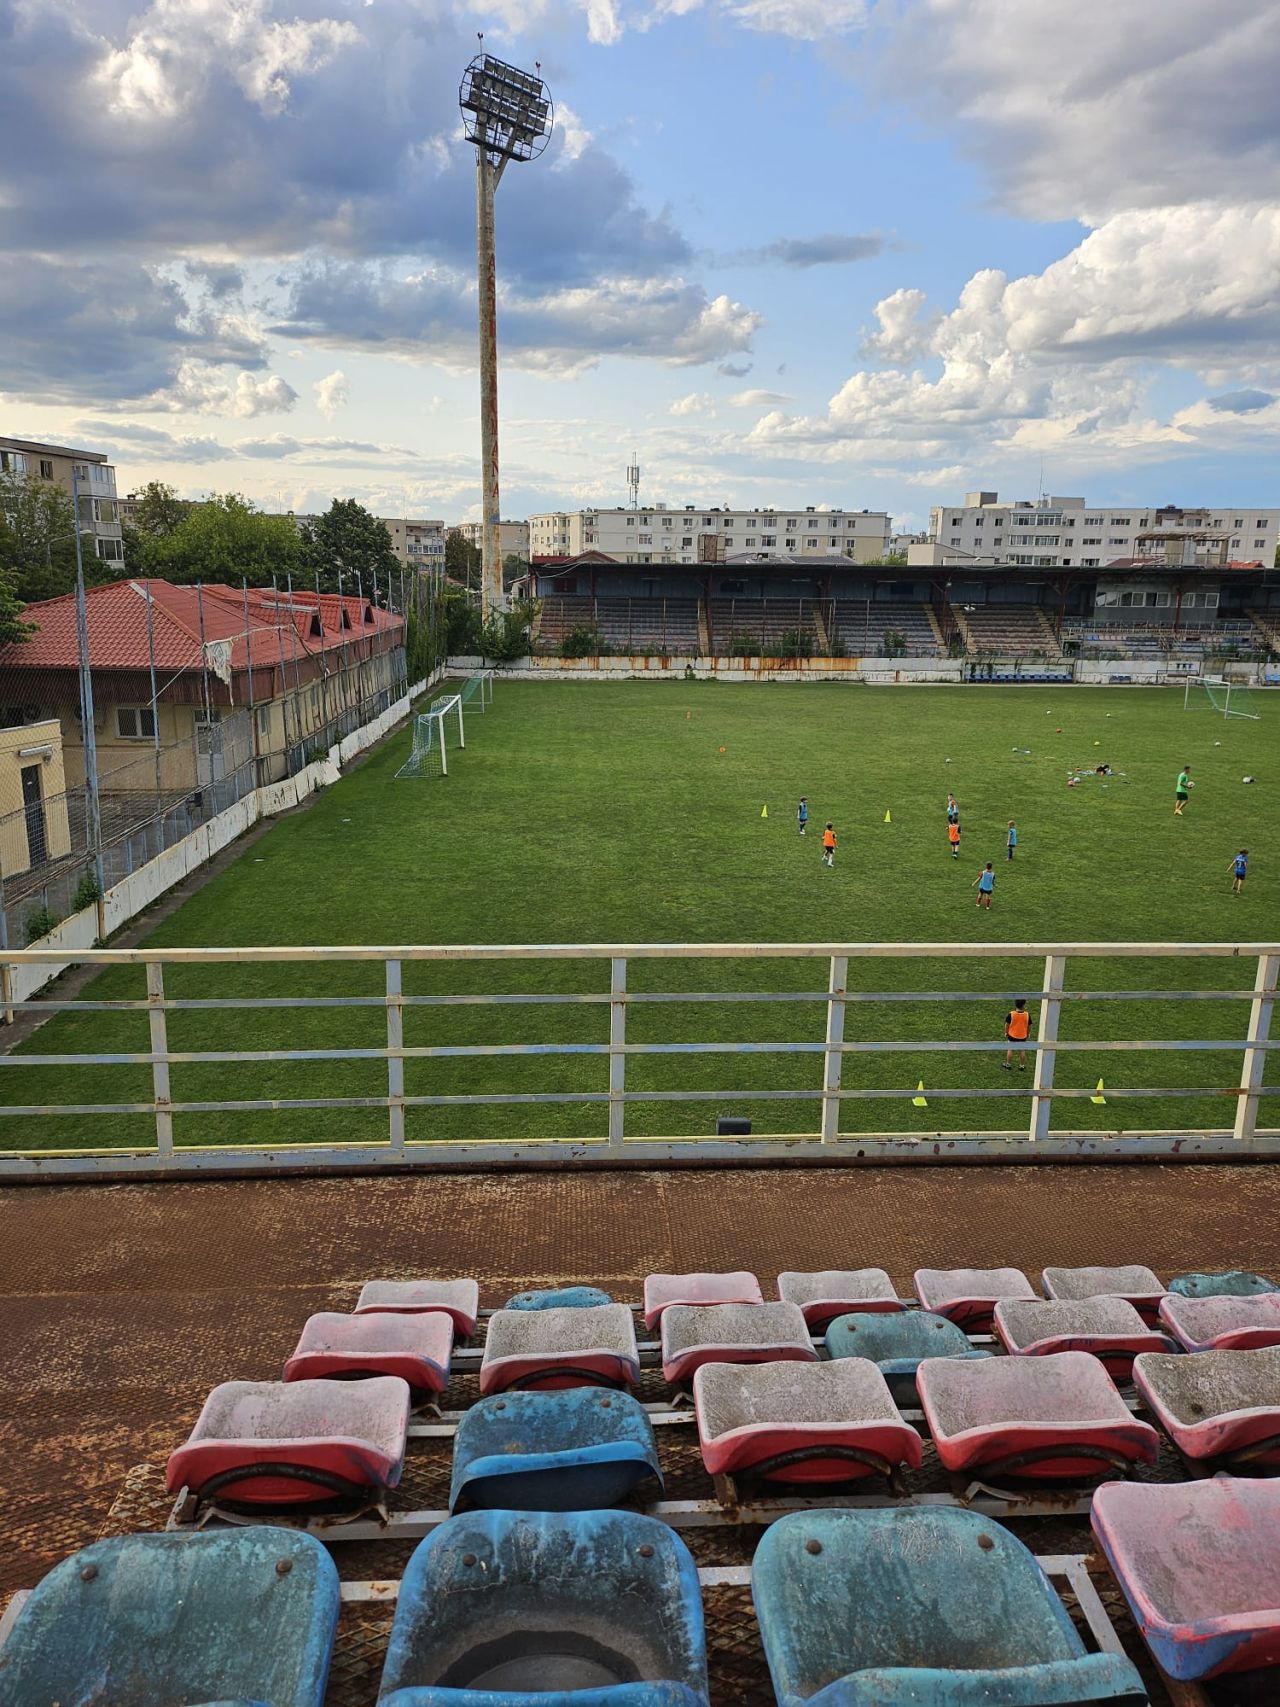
pixel 633 480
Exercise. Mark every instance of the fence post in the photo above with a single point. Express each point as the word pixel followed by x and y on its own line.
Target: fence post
pixel 834 1057
pixel 1255 1059
pixel 160 1066
pixel 617 1038
pixel 395 1060
pixel 1046 1052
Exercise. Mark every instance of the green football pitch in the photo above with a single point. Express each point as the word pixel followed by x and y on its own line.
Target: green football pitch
pixel 634 813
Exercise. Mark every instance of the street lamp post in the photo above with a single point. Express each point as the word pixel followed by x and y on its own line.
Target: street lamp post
pixel 508 115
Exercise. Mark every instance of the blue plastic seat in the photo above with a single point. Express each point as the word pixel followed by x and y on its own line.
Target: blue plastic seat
pixel 543 1609
pixel 242 1616
pixel 571 1450
pixel 559 1298
pixel 936 1608
pixel 898 1344
pixel 1233 1283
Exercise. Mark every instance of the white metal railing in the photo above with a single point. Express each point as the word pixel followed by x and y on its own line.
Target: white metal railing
pixel 1245 1088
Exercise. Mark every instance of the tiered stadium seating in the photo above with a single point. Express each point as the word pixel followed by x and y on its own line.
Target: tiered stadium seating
pixel 1221 1408
pixel 1107 1328
pixel 885 1609
pixel 1223 1323
pixel 832 1292
pixel 559 1348
pixel 1136 1285
pixel 649 625
pixel 1048 1417
pixel 742 625
pixel 1013 630
pixel 1199 1563
pixel 574 1450
pixel 663 1290
pixel 524 1607
pixel 694 1334
pixel 862 626
pixel 968 1296
pixel 561 612
pixel 898 1345
pixel 239 1617
pixel 417 1348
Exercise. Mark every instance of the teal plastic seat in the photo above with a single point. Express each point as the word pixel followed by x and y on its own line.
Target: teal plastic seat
pixel 571 1450
pixel 898 1344
pixel 933 1608
pixel 224 1618
pixel 1232 1283
pixel 559 1298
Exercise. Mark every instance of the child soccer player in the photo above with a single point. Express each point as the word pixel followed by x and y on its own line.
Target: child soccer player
pixel 985 883
pixel 802 814
pixel 953 837
pixel 1017 1027
pixel 1182 790
pixel 829 845
pixel 953 810
pixel 1240 868
pixel 1012 839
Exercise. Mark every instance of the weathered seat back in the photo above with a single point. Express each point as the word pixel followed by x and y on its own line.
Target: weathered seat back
pixel 573 1450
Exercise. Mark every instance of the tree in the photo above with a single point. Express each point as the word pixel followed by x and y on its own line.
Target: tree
pixel 461 559
pixel 12 626
pixel 226 538
pixel 348 539
pixel 159 510
pixel 38 538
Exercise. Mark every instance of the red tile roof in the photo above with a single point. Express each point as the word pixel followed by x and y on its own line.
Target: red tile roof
pixel 299 627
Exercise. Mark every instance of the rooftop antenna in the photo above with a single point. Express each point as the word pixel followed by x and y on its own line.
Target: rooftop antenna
pixel 1040 493
pixel 633 480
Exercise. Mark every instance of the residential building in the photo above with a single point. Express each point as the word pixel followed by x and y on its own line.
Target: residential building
pixel 33 796
pixel 95 482
pixel 513 538
pixel 417 544
pixel 711 534
pixel 1071 533
pixel 130 503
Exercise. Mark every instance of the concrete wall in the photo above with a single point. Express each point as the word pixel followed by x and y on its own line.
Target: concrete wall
pixel 14 854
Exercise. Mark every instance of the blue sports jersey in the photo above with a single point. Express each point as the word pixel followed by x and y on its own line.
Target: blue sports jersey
pixel 1013 838
pixel 987 882
pixel 1242 865
pixel 802 812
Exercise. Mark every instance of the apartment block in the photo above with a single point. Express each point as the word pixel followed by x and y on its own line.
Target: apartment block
pixel 711 534
pixel 513 538
pixel 94 484
pixel 1071 533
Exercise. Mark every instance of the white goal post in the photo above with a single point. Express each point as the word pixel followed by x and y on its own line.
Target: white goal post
pixel 1215 693
pixel 430 755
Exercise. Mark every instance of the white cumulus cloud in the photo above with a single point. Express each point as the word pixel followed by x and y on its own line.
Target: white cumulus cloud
pixel 333 392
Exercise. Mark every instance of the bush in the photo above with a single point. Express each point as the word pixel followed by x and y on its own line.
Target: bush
pixel 583 641
pixel 462 626
pixel 88 890
pixel 39 924
pixel 505 637
pixel 796 643
pixel 895 644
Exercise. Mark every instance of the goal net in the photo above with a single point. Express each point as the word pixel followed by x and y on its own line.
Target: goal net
pixel 1227 699
pixel 431 732
pixel 477 691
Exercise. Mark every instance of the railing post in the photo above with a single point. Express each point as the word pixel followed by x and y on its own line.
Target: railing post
pixel 1255 1059
pixel 617 1059
pixel 1046 1052
pixel 833 1060
pixel 160 1066
pixel 395 1060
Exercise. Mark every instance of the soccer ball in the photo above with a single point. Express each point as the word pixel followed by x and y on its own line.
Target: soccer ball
pixel 1246 779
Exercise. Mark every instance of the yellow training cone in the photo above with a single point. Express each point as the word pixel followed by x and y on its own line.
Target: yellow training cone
pixel 918 1101
pixel 1098 1096
pixel 764 811
pixel 888 818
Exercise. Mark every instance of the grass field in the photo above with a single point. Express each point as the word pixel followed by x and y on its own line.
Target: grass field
pixel 632 812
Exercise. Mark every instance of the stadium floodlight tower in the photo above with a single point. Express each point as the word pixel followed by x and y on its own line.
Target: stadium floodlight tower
pixel 508 115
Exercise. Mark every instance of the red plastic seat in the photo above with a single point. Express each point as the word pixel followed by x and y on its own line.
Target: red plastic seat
pixel 1107 1328
pixel 801 1422
pixel 831 1292
pixel 1136 1285
pixel 459 1299
pixel 275 1443
pixel 1218 1407
pixel 1223 1323
pixel 694 1334
pixel 663 1290
pixel 1050 1417
pixel 968 1296
pixel 565 1347
pixel 417 1348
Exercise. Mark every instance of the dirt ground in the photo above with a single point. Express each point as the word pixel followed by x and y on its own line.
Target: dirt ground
pixel 121 1306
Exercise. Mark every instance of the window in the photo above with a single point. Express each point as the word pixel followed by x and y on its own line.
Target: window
pixel 104 510
pixel 644 538
pixel 46 468
pixel 1089 562
pixel 791 522
pixel 811 544
pixel 1258 543
pixel 977 521
pixel 1046 539
pixel 708 521
pixel 1261 522
pixel 1124 522
pixel 769 539
pixel 955 539
pixel 12 462
pixel 998 540
pixel 666 521
pixel 813 522
pixel 727 544
pixel 791 543
pixel 1116 540
pixel 100 474
pixel 80 470
pixel 748 542
pixel 687 539
pixel 851 523
pixel 110 550
pixel 1093 521
pixel 1235 543
pixel 1239 522
pixel 631 521
pixel 1068 521
pixel 1092 539
pixel 135 723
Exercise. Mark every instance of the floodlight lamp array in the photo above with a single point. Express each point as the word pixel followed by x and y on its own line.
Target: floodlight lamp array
pixel 506 111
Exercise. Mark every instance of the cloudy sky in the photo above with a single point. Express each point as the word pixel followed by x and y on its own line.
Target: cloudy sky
pixel 860 252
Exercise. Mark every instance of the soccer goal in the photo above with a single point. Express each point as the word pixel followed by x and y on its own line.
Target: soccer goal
pixel 1210 693
pixel 430 755
pixel 477 690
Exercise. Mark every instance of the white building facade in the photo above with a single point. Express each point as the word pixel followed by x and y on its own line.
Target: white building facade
pixel 694 534
pixel 94 484
pixel 1071 533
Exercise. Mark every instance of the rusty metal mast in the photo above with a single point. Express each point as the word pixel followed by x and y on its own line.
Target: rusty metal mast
pixel 508 115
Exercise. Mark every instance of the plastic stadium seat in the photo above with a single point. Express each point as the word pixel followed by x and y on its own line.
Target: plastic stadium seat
pixel 1136 1285
pixel 559 1298
pixel 342 1348
pixel 1108 1328
pixel 540 1609
pixel 936 1608
pixel 694 1334
pixel 801 1422
pixel 1199 1563
pixel 275 1443
pixel 1222 1407
pixel 898 1344
pixel 663 1290
pixel 566 1451
pixel 1223 1323
pixel 241 1616
pixel 1232 1283
pixel 549 1349
pixel 968 1296
pixel 457 1298
pixel 1041 1417
pixel 832 1292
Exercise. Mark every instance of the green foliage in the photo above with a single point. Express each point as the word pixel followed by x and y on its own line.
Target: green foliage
pixel 583 641
pixel 227 539
pixel 461 625
pixel 894 643
pixel 505 637
pixel 38 539
pixel 12 627
pixel 159 510
pixel 348 539
pixel 39 923
pixel 461 560
pixel 88 890
pixel 796 643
